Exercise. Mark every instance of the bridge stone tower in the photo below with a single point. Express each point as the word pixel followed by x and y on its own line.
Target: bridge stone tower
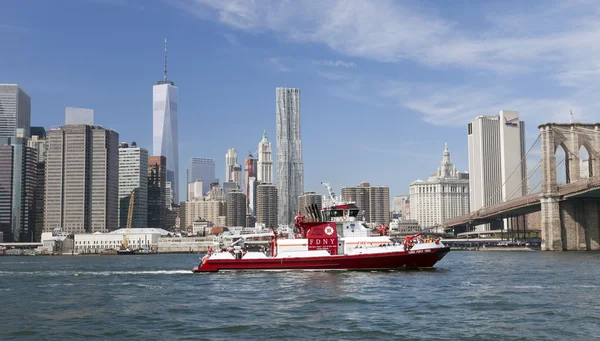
pixel 570 223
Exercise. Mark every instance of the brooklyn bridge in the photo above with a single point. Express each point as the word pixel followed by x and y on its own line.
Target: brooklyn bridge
pixel 570 212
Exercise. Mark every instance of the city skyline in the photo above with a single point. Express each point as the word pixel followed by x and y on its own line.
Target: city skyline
pixel 413 105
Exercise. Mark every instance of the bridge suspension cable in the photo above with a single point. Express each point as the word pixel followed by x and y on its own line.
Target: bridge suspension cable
pixel 540 182
pixel 499 189
pixel 525 180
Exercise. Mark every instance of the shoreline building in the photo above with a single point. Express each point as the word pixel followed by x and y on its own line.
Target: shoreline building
pixel 443 196
pixel 496 173
pixel 201 169
pixel 133 177
pixel 290 171
pixel 373 201
pixel 15 110
pixel 165 128
pixel 82 179
pixel 18 186
pixel 157 186
pixel 264 172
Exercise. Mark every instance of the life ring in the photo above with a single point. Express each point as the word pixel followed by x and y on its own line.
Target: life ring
pixel 344 218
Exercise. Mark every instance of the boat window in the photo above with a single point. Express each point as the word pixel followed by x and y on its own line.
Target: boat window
pixel 353 213
pixel 337 213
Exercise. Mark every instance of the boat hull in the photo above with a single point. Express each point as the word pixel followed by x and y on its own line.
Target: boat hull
pixel 125 252
pixel 426 258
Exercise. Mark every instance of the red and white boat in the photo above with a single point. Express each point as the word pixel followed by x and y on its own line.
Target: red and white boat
pixel 333 239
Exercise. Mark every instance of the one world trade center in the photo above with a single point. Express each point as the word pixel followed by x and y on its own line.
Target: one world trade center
pixel 165 141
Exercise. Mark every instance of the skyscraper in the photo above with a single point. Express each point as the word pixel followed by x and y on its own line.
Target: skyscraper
pixel 266 205
pixel 251 196
pixel 82 179
pixel 38 142
pixel 79 116
pixel 236 175
pixel 195 190
pixel 251 165
pixel 133 177
pixel 290 173
pixel 201 169
pixel 373 201
pixel 15 110
pixel 496 149
pixel 157 174
pixel 236 208
pixel 18 185
pixel 230 162
pixel 265 161
pixel 166 128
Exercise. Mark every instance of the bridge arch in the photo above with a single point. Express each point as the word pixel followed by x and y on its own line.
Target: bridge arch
pixel 571 138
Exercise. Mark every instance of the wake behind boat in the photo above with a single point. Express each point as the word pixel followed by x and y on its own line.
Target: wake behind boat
pixel 334 240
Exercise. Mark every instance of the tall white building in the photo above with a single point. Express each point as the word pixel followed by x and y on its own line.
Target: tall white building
pixel 265 161
pixel 165 140
pixel 133 177
pixel 443 196
pixel 497 168
pixel 230 162
pixel 15 110
pixel 195 190
pixel 201 169
pixel 290 172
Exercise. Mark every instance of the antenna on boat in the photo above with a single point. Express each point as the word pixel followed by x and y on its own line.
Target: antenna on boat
pixel 331 193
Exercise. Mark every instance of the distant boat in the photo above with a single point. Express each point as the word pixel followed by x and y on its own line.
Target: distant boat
pixel 126 251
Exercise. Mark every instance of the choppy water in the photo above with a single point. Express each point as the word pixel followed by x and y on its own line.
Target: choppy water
pixel 470 296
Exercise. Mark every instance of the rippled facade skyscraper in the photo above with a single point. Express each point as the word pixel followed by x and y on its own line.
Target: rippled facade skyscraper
pixel 290 171
pixel 165 135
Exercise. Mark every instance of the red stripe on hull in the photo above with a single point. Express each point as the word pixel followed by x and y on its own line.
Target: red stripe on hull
pixel 380 261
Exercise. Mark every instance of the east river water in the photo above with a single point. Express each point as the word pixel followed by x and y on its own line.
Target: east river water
pixel 469 296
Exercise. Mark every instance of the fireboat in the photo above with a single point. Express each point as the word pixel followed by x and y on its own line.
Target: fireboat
pixel 331 239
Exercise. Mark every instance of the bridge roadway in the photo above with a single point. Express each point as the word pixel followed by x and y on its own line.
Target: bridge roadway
pixel 585 188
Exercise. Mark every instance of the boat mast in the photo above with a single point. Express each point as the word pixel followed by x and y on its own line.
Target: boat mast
pixel 129 219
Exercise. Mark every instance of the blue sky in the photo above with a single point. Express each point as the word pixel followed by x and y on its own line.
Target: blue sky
pixel 383 83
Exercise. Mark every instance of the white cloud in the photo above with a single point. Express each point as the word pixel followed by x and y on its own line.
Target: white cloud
pixel 334 63
pixel 12 28
pixel 389 31
pixel 278 65
pixel 551 46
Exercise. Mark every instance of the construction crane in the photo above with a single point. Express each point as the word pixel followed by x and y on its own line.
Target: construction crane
pixel 125 246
